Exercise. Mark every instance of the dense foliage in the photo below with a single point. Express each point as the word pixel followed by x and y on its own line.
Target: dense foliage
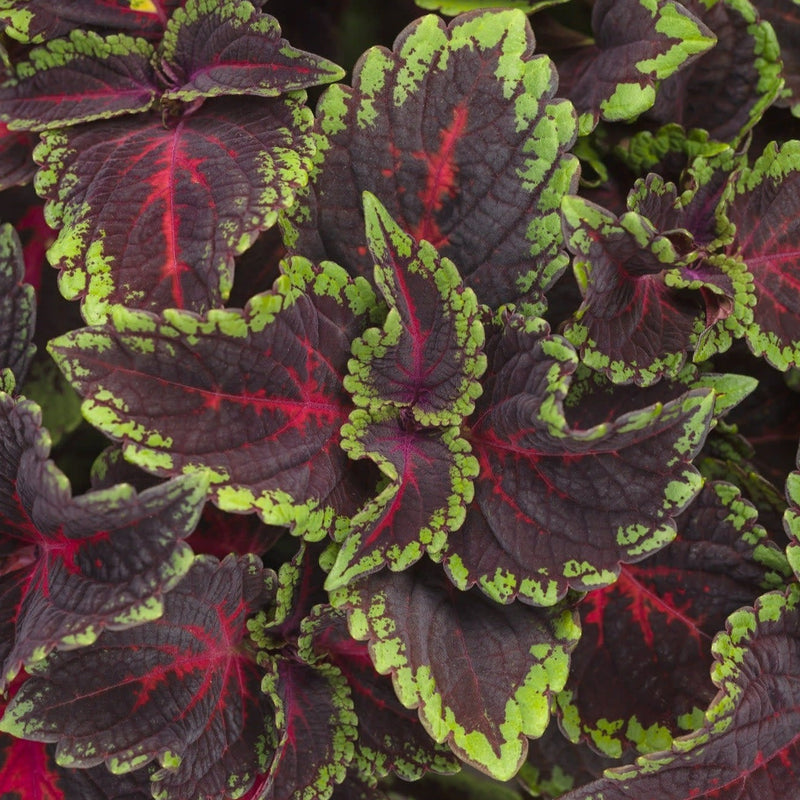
pixel 437 437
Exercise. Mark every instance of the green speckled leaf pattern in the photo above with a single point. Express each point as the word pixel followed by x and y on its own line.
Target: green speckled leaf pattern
pixel 17 307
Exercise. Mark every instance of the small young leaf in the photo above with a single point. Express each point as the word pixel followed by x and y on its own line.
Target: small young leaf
pixel 228 47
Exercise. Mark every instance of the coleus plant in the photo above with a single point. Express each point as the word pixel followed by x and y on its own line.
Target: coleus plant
pixel 470 475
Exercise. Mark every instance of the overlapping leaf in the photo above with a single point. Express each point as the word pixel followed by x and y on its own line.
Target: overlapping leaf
pixel 213 48
pixel 558 507
pixel 637 45
pixel 430 476
pixel 763 204
pixel 453 7
pixel 16 163
pixel 748 747
pixel 784 16
pixel 181 689
pixel 791 519
pixel 480 674
pixel 640 672
pixel 727 89
pixel 28 771
pixel 152 217
pixel 17 308
pixel 457 133
pixel 73 566
pixel 263 414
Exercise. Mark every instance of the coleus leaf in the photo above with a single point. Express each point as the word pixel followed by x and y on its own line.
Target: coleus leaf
pixel 40 20
pixel 17 307
pixel 430 476
pixel 558 507
pixel 213 48
pixel 29 772
pixel 97 783
pixel 638 44
pixel 427 358
pixel 152 217
pixel 82 78
pixel 631 324
pixel 480 674
pixel 640 672
pixel 784 16
pixel 466 115
pixel 748 745
pixel 791 518
pixel 453 7
pixel 270 388
pixel 16 164
pixel 74 566
pixel 746 53
pixel 762 203
pixel 181 689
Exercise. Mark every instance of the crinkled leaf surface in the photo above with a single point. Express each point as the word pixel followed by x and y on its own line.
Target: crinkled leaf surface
pixel 791 518
pixel 84 77
pixel 480 674
pixel 784 16
pixel 430 474
pixel 17 307
pixel 16 164
pixel 152 216
pixel 457 132
pixel 41 20
pixel 763 204
pixel 97 783
pixel 427 358
pixel 746 54
pixel 640 672
pixel 214 47
pixel 263 414
pixel 631 324
pixel 181 689
pixel 73 566
pixel 638 43
pixel 558 507
pixel 748 747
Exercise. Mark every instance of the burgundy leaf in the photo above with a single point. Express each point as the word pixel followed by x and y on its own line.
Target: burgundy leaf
pixel 17 307
pixel 16 162
pixel 784 16
pixel 40 20
pixel 152 216
pixel 216 47
pixel 98 783
pixel 748 747
pixel 72 566
pixel 219 533
pixel 28 772
pixel 264 413
pixel 481 674
pixel 86 77
pixel 183 689
pixel 640 671
pixel 558 507
pixel 637 44
pixel 457 132
pixel 727 89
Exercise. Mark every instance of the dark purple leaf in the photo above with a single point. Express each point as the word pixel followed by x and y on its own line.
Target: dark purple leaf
pixel 73 566
pixel 640 672
pixel 183 689
pixel 17 308
pixel 637 44
pixel 40 20
pixel 480 674
pixel 16 161
pixel 98 783
pixel 748 747
pixel 559 507
pixel 152 216
pixel 262 416
pixel 225 47
pixel 727 89
pixel 86 77
pixel 457 133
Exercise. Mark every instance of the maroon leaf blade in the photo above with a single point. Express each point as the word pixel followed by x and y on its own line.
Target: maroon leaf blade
pixel 465 114
pixel 73 566
pixel 213 48
pixel 558 507
pixel 430 484
pixel 748 747
pixel 16 162
pixel 179 689
pixel 271 388
pixel 28 771
pixel 784 16
pixel 86 77
pixel 640 672
pixel 17 308
pixel 152 217
pixel 41 20
pixel 480 674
